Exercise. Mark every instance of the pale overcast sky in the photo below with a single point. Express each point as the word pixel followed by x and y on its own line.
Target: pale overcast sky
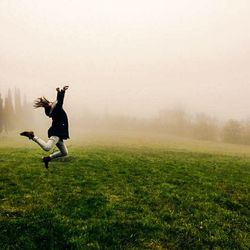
pixel 133 57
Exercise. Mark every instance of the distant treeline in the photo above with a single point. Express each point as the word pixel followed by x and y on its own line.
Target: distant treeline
pixel 178 122
pixel 203 127
pixel 15 113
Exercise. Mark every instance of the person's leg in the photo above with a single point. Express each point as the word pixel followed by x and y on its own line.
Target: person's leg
pixel 63 150
pixel 53 140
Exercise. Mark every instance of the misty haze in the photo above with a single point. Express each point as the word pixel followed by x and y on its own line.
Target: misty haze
pixel 135 58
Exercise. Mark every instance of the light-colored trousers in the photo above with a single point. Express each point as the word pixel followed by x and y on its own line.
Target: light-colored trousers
pixel 47 146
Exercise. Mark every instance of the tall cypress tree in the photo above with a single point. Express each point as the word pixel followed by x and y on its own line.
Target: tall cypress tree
pixel 18 106
pixel 8 113
pixel 18 109
pixel 1 113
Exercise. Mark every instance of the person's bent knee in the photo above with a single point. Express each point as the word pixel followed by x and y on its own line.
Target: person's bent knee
pixel 65 153
pixel 47 148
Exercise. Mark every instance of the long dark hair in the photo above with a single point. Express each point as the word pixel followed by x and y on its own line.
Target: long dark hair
pixel 41 102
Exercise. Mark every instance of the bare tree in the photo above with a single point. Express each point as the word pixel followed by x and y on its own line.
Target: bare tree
pixel 205 127
pixel 232 132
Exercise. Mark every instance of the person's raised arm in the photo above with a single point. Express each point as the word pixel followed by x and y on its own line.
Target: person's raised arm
pixel 60 95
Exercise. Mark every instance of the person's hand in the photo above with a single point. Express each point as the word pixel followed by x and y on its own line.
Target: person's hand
pixel 57 89
pixel 65 88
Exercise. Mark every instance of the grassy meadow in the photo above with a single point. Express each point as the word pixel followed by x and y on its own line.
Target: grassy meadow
pixel 125 192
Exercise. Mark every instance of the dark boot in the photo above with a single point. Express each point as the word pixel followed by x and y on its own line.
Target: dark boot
pixel 46 161
pixel 29 134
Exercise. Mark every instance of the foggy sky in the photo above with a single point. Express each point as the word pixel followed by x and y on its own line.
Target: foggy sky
pixel 131 57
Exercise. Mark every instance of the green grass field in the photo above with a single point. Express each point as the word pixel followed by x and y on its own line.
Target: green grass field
pixel 135 194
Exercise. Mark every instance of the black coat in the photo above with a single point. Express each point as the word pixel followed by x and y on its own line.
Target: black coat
pixel 60 125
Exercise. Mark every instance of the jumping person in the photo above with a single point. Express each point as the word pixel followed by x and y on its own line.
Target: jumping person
pixel 58 132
